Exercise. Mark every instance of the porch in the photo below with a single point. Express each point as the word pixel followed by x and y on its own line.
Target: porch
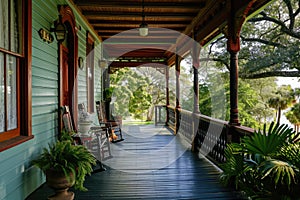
pixel 152 163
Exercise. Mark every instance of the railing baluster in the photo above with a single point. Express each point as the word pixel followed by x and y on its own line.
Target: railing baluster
pixel 205 133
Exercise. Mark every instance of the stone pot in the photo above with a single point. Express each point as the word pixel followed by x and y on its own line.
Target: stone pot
pixel 60 184
pixel 84 127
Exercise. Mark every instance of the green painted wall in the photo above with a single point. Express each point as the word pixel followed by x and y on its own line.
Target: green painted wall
pixel 18 177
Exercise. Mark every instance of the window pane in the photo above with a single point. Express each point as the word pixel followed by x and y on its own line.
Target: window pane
pixel 11 81
pixel 4 24
pixel 2 123
pixel 16 26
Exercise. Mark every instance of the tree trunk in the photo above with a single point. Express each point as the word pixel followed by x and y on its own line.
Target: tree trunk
pixel 150 113
pixel 279 115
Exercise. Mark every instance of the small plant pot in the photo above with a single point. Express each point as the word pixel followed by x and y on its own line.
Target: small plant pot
pixel 84 127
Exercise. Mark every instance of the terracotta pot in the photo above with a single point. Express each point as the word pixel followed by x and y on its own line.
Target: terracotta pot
pixel 60 184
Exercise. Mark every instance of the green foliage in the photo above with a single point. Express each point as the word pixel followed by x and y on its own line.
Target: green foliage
pixel 107 94
pixel 269 43
pixel 284 98
pixel 137 91
pixel 205 100
pixel 296 111
pixel 267 142
pixel 139 102
pixel 65 157
pixel 265 164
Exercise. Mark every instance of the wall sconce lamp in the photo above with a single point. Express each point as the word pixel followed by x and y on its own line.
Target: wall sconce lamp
pixel 103 64
pixel 59 30
pixel 80 63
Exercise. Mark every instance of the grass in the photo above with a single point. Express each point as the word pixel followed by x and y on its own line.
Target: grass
pixel 136 122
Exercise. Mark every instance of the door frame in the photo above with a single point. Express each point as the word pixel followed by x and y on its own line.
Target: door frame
pixel 68 19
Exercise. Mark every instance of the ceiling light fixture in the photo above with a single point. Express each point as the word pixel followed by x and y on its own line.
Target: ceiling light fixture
pixel 143 26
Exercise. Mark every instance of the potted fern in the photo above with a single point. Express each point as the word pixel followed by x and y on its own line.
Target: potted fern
pixel 65 165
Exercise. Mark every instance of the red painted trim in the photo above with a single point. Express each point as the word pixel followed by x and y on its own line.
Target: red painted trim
pixel 14 142
pixel 68 18
pixel 26 127
pixel 24 82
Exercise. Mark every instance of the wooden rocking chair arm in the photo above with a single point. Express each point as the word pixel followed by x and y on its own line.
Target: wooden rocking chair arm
pixel 94 128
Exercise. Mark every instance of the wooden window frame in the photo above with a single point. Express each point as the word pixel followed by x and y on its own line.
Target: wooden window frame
pixel 24 85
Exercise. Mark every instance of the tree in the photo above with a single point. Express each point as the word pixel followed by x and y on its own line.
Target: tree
pixel 137 91
pixel 139 102
pixel 156 84
pixel 270 43
pixel 284 99
pixel 130 93
pixel 291 116
pixel 296 111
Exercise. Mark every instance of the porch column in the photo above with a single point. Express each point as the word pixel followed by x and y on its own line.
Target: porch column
pixel 177 73
pixel 196 64
pixel 235 22
pixel 167 86
pixel 233 47
pixel 167 94
pixel 177 107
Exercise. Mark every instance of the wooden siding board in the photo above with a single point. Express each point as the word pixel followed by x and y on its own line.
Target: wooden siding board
pixel 47 8
pixel 41 92
pixel 44 118
pixel 48 107
pixel 42 82
pixel 44 57
pixel 45 74
pixel 40 101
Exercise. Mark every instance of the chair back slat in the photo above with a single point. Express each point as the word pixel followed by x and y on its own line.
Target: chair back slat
pixel 67 121
pixel 100 107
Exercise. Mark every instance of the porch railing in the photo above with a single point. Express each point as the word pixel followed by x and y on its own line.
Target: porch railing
pixel 207 135
pixel 160 114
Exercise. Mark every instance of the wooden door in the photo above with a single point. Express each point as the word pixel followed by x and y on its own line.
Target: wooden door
pixel 65 93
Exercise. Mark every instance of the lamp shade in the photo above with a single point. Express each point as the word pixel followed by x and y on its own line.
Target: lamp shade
pixel 143 29
pixel 60 32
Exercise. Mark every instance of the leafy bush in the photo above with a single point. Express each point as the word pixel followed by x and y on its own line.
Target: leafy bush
pixel 265 165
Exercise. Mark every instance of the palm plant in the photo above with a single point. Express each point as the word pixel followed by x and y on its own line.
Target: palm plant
pixel 284 99
pixel 265 164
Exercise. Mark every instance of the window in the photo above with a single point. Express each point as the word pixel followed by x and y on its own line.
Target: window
pixel 14 70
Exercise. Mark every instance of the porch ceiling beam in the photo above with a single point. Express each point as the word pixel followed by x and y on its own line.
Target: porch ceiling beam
pixel 100 18
pixel 209 10
pixel 133 4
pixel 130 26
pixel 137 14
pixel 115 66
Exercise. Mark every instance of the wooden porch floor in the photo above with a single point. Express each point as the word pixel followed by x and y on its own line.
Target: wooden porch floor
pixel 151 163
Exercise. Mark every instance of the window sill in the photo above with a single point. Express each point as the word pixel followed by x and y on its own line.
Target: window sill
pixel 13 142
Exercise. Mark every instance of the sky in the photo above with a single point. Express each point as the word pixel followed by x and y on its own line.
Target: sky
pixel 293 81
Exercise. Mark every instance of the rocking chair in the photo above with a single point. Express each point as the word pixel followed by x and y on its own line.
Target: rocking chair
pixel 113 126
pixel 97 143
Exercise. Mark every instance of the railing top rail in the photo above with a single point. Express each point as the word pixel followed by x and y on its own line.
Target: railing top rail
pixel 240 129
